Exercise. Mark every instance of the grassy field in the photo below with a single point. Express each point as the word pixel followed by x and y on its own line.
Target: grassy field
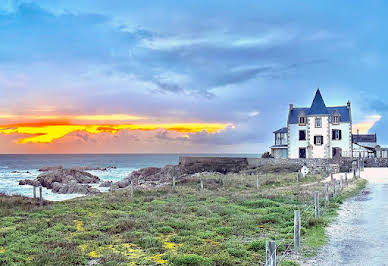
pixel 226 224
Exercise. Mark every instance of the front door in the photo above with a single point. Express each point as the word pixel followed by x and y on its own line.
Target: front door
pixel 337 152
pixel 302 152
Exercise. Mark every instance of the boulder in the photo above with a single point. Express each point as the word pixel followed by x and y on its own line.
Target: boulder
pixel 106 184
pixel 29 182
pixel 50 168
pixel 65 181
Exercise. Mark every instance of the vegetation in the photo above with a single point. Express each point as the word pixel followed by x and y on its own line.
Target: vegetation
pixel 226 224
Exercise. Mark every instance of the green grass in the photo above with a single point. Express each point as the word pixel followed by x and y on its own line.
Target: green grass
pixel 226 224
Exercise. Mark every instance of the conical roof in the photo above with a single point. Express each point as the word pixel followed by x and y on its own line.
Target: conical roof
pixel 318 106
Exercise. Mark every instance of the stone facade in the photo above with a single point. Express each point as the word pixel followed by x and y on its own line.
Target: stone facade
pixel 317 131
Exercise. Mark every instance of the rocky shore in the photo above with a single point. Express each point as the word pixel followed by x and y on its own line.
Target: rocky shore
pixel 78 180
pixel 65 181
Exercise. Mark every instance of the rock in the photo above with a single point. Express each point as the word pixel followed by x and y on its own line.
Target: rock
pixel 14 172
pixel 86 168
pixel 65 181
pixel 50 168
pixel 106 184
pixel 75 188
pixel 66 176
pixel 151 176
pixel 29 182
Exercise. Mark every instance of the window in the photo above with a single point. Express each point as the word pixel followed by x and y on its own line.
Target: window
pixel 302 120
pixel 336 119
pixel 302 135
pixel 318 122
pixel 336 134
pixel 318 140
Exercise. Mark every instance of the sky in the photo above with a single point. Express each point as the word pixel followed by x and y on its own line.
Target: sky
pixel 179 76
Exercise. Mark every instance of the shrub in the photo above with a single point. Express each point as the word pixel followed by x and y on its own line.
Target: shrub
pixel 257 245
pixel 237 252
pixel 149 242
pixel 166 229
pixel 261 203
pixel 190 260
pixel 223 258
pixel 224 230
pixel 269 218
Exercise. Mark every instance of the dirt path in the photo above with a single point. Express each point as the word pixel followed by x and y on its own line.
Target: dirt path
pixel 359 236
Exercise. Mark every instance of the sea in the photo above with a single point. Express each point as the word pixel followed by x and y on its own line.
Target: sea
pixel 14 167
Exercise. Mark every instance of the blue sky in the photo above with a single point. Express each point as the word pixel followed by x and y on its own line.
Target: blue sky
pixel 238 62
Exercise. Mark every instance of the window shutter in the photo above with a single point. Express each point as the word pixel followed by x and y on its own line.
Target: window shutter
pixel 321 140
pixel 340 134
pixel 333 134
pixel 315 139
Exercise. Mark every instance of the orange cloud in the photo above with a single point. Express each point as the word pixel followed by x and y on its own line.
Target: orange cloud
pixel 46 132
pixel 363 127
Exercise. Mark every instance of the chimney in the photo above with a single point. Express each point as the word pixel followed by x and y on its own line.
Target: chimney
pixel 291 106
pixel 348 104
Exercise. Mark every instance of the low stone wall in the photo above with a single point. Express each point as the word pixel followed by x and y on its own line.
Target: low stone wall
pixel 228 164
pixel 376 162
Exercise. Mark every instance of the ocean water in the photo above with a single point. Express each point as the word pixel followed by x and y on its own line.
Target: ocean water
pixel 25 166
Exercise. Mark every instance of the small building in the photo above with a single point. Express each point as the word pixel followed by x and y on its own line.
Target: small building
pixel 364 145
pixel 317 131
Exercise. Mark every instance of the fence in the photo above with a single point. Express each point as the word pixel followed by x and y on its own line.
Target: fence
pixel 319 204
pixel 41 201
pixel 337 186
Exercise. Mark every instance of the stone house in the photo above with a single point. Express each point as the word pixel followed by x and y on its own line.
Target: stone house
pixel 317 131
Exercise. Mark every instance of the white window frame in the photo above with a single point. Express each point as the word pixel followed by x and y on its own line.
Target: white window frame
pixel 318 125
pixel 320 138
pixel 336 119
pixel 336 134
pixel 304 120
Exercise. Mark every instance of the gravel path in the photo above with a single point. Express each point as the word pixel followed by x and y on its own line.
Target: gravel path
pixel 359 236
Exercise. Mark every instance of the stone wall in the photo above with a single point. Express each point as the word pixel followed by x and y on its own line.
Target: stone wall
pixel 228 164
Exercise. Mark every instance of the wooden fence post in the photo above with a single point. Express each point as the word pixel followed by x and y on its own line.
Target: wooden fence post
pixel 341 183
pixel 173 182
pixel 346 179
pixel 40 195
pixel 331 177
pixel 299 177
pixel 270 251
pixel 334 189
pixel 201 181
pixel 131 188
pixel 316 201
pixel 326 194
pixel 296 230
pixel 34 192
pixel 257 182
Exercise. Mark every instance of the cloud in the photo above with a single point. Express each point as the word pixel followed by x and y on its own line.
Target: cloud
pixel 364 126
pixel 223 61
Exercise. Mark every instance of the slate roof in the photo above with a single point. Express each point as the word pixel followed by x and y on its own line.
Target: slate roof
pixel 319 108
pixel 282 130
pixel 359 138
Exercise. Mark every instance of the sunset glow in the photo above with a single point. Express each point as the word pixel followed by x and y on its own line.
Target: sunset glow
pixel 47 133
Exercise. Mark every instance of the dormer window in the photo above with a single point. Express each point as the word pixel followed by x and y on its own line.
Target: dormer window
pixel 335 118
pixel 302 119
